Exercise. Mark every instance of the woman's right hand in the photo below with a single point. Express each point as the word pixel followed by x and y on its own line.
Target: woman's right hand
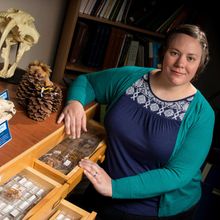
pixel 74 118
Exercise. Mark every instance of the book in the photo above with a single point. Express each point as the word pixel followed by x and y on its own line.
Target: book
pixel 83 5
pixel 156 54
pixel 89 6
pixel 109 9
pixel 126 10
pixel 140 56
pixel 104 8
pixel 94 46
pixel 128 39
pixel 115 44
pixel 132 53
pixel 150 54
pixel 98 46
pixel 121 46
pixel 121 11
pixel 102 45
pixel 115 10
pixel 79 42
pixel 97 7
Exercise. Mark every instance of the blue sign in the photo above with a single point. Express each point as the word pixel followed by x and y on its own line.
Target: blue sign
pixel 5 135
pixel 4 95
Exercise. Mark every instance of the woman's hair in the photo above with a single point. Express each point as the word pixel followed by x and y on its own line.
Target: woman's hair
pixel 195 32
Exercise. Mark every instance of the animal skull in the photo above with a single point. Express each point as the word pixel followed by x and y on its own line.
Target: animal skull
pixel 16 28
pixel 7 110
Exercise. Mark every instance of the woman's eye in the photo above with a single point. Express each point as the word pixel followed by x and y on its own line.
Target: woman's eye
pixel 173 53
pixel 190 59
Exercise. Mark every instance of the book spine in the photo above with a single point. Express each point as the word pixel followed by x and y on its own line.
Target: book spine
pixel 78 42
pixel 132 53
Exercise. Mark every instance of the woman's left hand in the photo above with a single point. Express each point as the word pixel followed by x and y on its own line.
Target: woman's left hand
pixel 97 176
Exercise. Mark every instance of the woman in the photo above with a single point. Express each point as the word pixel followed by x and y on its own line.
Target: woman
pixel 159 130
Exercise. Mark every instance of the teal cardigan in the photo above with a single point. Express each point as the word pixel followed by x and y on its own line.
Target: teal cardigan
pixel 178 183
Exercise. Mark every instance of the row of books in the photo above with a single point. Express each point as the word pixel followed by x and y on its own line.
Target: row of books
pixel 155 15
pixel 102 46
pixel 109 9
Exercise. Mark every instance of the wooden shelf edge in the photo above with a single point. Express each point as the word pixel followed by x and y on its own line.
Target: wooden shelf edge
pixel 121 25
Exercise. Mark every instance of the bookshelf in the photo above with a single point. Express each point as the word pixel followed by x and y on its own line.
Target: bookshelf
pixel 63 68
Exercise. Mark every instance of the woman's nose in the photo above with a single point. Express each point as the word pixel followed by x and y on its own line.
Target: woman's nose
pixel 181 61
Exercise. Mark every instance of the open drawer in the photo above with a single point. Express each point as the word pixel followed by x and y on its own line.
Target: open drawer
pixel 27 192
pixel 67 210
pixel 57 156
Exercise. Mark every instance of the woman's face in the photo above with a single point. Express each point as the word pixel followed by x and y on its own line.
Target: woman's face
pixel 181 59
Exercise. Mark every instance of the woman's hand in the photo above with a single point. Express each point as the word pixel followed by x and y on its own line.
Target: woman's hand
pixel 97 176
pixel 74 118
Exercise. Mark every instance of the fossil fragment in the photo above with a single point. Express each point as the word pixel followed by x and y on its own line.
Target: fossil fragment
pixel 7 110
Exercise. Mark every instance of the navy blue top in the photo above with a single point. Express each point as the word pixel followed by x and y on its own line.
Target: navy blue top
pixel 142 131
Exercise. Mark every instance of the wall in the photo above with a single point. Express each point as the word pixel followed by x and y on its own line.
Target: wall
pixel 49 15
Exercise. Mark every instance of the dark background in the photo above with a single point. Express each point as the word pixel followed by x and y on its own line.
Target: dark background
pixel 208 82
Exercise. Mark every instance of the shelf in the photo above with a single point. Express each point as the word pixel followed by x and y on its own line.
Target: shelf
pixel 80 68
pixel 63 69
pixel 121 25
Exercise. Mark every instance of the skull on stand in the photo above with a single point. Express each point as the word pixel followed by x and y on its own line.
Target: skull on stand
pixel 16 28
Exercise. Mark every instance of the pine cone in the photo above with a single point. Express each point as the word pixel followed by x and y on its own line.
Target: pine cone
pixel 39 109
pixel 37 93
pixel 57 97
pixel 24 91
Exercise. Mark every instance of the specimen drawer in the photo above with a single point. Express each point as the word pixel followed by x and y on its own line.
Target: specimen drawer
pixel 57 156
pixel 67 210
pixel 27 192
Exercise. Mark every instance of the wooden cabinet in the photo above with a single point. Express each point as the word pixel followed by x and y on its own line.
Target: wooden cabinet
pixel 28 171
pixel 29 187
pixel 57 156
pixel 62 66
pixel 69 210
pixel 27 192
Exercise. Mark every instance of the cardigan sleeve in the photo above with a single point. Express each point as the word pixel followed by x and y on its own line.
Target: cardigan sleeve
pixel 179 170
pixel 104 86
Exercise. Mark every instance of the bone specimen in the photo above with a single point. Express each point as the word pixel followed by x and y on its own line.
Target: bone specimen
pixel 16 28
pixel 12 193
pixel 7 110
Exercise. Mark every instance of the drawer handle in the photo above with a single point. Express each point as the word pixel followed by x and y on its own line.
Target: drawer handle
pixel 56 203
pixel 101 158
